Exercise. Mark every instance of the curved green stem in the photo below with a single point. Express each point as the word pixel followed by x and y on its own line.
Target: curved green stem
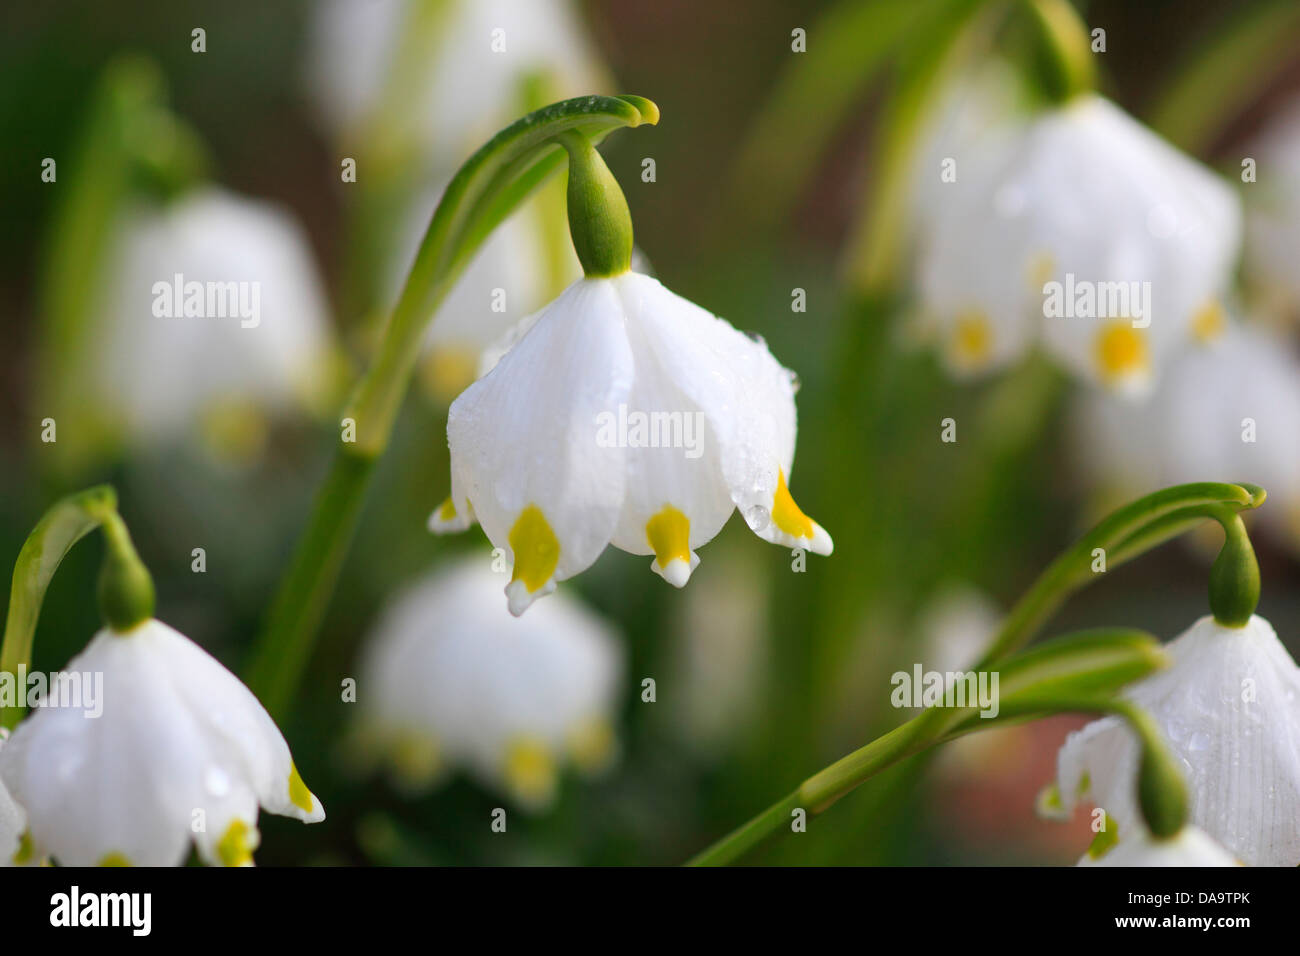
pixel 491 185
pixel 1070 69
pixel 1092 664
pixel 62 526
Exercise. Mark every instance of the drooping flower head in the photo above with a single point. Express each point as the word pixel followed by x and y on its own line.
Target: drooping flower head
pixel 181 752
pixel 1190 846
pixel 622 414
pixel 15 844
pixel 1085 231
pixel 1229 709
pixel 450 679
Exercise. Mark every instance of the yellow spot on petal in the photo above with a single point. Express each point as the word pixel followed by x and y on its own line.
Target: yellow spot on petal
pixel 592 744
pixel 23 855
pixel 530 770
pixel 972 339
pixel 1208 322
pixel 447 510
pixel 115 859
pixel 537 551
pixel 299 795
pixel 1041 271
pixel 786 514
pixel 669 535
pixel 237 844
pixel 1121 351
pixel 416 759
pixel 448 371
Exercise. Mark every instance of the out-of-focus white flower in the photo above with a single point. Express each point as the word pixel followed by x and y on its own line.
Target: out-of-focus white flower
pixel 1229 709
pixel 626 415
pixel 181 750
pixel 1086 197
pixel 1229 410
pixel 461 67
pixel 215 317
pixel 1190 846
pixel 449 678
pixel 15 845
pixel 1273 214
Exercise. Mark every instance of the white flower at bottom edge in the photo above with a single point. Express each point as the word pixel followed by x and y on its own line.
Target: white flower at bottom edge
pixel 1229 709
pixel 451 679
pixel 181 750
pixel 15 845
pixel 624 414
pixel 1190 846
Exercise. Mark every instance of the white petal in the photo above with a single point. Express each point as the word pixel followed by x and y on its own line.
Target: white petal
pixel 1189 847
pixel 523 439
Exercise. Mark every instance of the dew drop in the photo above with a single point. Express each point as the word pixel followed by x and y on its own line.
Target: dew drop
pixel 757 517
pixel 216 782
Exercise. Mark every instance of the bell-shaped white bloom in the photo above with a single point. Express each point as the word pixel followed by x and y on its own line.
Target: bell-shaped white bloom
pixel 179 751
pixel 15 844
pixel 450 679
pixel 357 51
pixel 1229 709
pixel 1273 214
pixel 1228 409
pixel 1190 846
pixel 1085 231
pixel 623 414
pixel 215 311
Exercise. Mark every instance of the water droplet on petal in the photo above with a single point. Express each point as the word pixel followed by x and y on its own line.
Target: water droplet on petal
pixel 757 517
pixel 1200 741
pixel 216 782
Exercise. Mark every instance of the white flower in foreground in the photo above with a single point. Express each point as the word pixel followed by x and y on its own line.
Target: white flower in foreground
pixel 450 678
pixel 1229 709
pixel 15 846
pixel 182 750
pixel 626 415
pixel 1273 214
pixel 1188 847
pixel 1230 409
pixel 1086 197
pixel 464 67
pixel 215 317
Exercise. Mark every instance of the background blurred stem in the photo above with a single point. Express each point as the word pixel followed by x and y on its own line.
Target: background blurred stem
pixel 491 184
pixel 1069 68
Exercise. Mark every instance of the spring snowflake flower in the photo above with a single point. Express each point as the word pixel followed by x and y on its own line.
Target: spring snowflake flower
pixel 450 679
pixel 1190 846
pixel 504 45
pixel 623 414
pixel 15 845
pixel 1085 198
pixel 181 751
pixel 216 318
pixel 1229 408
pixel 1230 712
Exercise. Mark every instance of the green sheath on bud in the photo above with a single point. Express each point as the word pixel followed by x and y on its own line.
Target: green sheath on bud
pixel 126 593
pixel 1234 577
pixel 599 221
pixel 1162 793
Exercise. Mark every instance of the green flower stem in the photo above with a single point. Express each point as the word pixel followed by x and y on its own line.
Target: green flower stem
pixel 1126 533
pixel 126 592
pixel 62 526
pixel 490 186
pixel 1069 64
pixel 1092 664
pixel 599 220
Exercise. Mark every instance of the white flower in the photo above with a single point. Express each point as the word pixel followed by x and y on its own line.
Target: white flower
pixel 449 678
pixel 624 414
pixel 165 364
pixel 1083 191
pixel 1273 213
pixel 1229 409
pixel 15 847
pixel 464 66
pixel 182 750
pixel 1190 846
pixel 1229 710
